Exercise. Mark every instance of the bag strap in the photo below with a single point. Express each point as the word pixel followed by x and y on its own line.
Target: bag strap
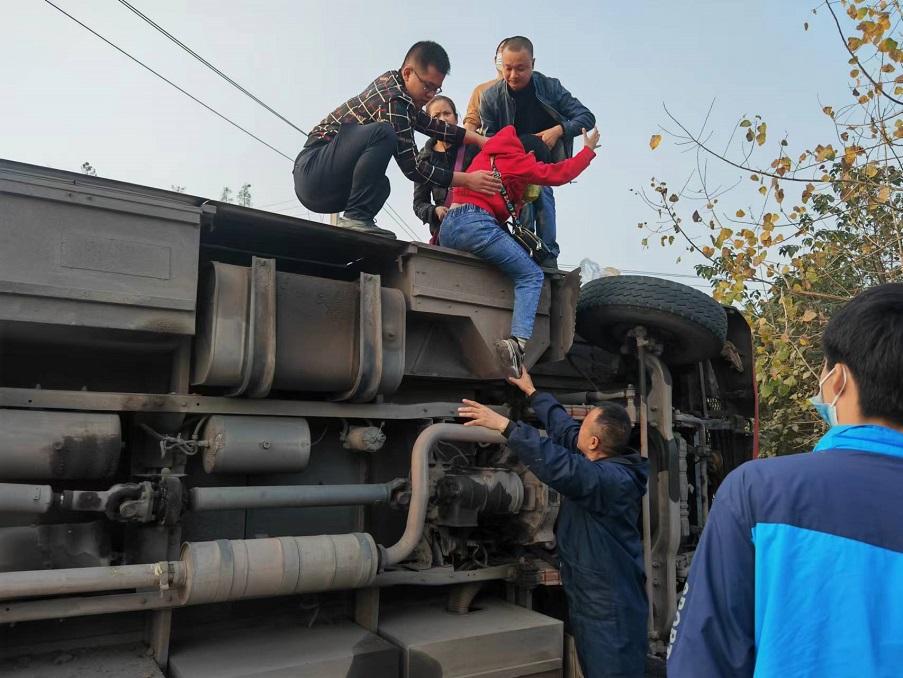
pixel 504 193
pixel 459 159
pixel 459 166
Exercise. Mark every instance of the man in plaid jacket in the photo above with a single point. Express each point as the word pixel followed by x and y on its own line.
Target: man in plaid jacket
pixel 343 164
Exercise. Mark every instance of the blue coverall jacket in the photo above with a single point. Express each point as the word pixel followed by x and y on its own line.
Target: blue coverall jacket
pixel 599 540
pixel 799 571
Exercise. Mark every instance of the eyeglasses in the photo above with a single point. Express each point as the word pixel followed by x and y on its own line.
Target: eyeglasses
pixel 427 87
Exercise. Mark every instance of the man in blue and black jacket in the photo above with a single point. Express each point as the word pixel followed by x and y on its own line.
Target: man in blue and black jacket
pixel 799 571
pixel 599 541
pixel 540 106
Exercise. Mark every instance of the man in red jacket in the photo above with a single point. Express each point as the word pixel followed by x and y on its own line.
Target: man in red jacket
pixel 474 224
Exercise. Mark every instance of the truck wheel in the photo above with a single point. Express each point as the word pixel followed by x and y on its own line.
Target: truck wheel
pixel 690 325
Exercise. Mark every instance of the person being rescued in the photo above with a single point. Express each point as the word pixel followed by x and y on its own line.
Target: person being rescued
pixel 431 201
pixel 475 223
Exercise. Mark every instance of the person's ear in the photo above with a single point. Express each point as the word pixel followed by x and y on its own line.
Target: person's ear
pixel 533 63
pixel 837 383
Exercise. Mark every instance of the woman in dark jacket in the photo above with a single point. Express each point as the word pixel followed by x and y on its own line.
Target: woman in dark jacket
pixel 430 200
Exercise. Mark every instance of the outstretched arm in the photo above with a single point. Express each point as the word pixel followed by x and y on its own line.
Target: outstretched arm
pixel 556 174
pixel 561 427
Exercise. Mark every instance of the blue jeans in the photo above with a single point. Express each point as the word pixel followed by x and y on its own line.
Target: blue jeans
pixel 473 229
pixel 540 217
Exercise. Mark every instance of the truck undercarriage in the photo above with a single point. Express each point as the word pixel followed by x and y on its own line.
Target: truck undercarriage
pixel 229 437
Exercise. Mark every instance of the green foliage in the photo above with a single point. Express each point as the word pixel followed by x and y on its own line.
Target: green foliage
pixel 822 224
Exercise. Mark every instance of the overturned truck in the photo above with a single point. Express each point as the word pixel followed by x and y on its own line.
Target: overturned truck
pixel 229 445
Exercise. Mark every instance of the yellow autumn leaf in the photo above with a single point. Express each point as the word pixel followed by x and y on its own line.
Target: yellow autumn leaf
pixel 884 194
pixel 740 214
pixel 809 316
pixel 655 141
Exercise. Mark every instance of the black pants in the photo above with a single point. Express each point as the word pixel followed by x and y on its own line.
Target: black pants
pixel 348 173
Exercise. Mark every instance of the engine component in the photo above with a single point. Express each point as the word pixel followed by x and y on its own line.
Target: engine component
pixel 222 570
pixel 256 444
pixel 289 496
pixel 37 445
pixel 124 502
pixel 17 498
pixel 536 520
pixel 363 438
pixel 420 480
pixel 322 335
pixel 464 497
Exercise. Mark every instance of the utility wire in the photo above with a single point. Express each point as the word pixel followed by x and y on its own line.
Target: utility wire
pixel 404 223
pixel 197 56
pixel 169 82
pixel 397 218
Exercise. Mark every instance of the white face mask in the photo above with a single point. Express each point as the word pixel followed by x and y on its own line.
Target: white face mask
pixel 828 411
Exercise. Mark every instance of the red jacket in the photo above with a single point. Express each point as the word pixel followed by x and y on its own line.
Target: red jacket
pixel 518 168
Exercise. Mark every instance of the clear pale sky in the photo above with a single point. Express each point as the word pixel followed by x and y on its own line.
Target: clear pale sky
pixel 70 98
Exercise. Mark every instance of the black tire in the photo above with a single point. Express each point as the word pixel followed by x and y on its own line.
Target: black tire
pixel 690 325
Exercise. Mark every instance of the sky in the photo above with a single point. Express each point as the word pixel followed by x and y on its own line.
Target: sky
pixel 69 98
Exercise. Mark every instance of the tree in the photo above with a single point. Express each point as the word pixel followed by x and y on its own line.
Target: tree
pixel 824 223
pixel 243 197
pixel 88 168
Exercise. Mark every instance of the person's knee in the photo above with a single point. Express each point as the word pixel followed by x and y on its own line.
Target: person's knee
pixel 384 189
pixel 384 133
pixel 535 277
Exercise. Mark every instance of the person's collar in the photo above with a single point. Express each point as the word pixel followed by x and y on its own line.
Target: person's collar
pixel 862 437
pixel 399 83
pixel 526 91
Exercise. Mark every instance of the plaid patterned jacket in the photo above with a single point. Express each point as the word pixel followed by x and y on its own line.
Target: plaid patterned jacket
pixel 387 100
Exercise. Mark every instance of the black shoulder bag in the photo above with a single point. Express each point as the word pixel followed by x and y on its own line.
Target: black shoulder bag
pixel 524 237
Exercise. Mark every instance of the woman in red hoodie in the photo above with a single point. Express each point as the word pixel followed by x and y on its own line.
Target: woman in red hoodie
pixel 474 223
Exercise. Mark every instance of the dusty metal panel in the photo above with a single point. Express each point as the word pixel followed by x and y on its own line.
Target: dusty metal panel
pixel 327 336
pixel 44 445
pixel 91 256
pixel 150 402
pixel 342 650
pixel 495 640
pixel 39 547
pixel 120 660
pixel 460 306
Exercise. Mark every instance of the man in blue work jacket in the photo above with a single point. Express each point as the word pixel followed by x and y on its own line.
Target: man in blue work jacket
pixel 799 571
pixel 599 541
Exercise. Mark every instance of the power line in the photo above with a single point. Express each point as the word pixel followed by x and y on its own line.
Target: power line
pixel 197 56
pixel 169 82
pixel 399 220
pixel 395 216
pixel 410 231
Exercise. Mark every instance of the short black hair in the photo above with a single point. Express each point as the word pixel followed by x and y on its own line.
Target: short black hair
pixel 501 45
pixel 612 426
pixel 866 335
pixel 518 43
pixel 442 97
pixel 427 53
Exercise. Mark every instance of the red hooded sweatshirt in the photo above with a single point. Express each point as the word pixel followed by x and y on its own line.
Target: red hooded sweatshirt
pixel 518 168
